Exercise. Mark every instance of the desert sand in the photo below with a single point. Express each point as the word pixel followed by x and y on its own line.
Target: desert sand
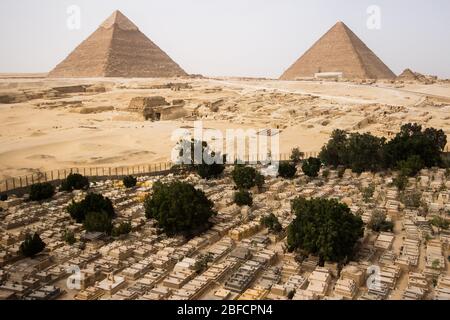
pixel 44 128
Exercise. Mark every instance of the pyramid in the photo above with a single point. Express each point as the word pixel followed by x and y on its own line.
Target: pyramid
pixel 408 74
pixel 339 50
pixel 117 49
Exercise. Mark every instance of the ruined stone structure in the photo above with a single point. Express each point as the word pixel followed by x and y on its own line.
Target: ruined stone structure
pixel 117 49
pixel 156 108
pixel 339 50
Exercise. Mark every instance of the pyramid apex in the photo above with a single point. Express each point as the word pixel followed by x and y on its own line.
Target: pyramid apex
pixel 340 24
pixel 119 19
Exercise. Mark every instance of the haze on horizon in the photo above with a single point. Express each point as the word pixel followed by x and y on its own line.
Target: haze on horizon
pixel 231 38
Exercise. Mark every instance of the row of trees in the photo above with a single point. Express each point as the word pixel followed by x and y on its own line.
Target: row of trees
pixel 410 150
pixel 74 181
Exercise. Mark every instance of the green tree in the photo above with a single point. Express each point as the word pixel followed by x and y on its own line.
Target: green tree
pixel 75 181
pixel 271 222
pixel 378 222
pixel 311 167
pixel 259 181
pixel 3 197
pixel 129 181
pixel 325 228
pixel 401 182
pixel 368 192
pixel 121 229
pixel 179 208
pixel 244 177
pixel 69 237
pixel 335 152
pixel 41 191
pixel 296 155
pixel 98 222
pixel 411 141
pixel 411 199
pixel 364 152
pixel 32 245
pixel 440 223
pixel 243 198
pixel 341 172
pixel 91 203
pixel 192 154
pixel 411 166
pixel 287 170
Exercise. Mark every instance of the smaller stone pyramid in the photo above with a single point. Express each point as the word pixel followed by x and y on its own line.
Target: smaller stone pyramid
pixel 117 49
pixel 339 50
pixel 408 74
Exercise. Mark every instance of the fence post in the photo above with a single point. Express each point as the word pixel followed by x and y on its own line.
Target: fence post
pixel 6 183
pixel 32 179
pixel 20 179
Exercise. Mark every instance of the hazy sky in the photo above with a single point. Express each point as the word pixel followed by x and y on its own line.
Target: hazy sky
pixel 231 37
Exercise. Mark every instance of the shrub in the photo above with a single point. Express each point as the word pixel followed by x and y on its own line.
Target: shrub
pixel 123 228
pixel 41 191
pixel 75 181
pixel 3 197
pixel 259 181
pixel 411 199
pixel 368 192
pixel 179 208
pixel 401 182
pixel 271 222
pixel 69 237
pixel 243 198
pixel 326 173
pixel 311 167
pixel 378 222
pixel 202 261
pixel 341 172
pixel 296 155
pixel 287 170
pixel 92 203
pixel 440 223
pixel 129 181
pixel 325 228
pixel 32 245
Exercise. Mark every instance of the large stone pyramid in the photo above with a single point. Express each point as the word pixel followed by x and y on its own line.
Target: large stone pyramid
pixel 117 49
pixel 339 50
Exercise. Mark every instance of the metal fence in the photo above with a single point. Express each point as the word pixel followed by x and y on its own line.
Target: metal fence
pixel 100 173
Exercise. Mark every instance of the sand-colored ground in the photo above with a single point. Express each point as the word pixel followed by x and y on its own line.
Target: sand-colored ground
pixel 44 131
